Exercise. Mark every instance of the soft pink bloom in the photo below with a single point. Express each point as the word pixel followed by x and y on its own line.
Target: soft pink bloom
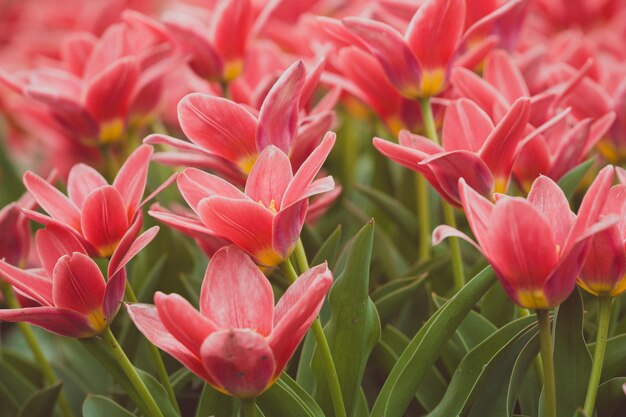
pixel 238 342
pixel 536 246
pixel 99 215
pixel 15 235
pixel 266 219
pixel 473 149
pixel 70 294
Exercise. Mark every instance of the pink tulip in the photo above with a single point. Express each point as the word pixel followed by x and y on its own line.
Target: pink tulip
pixel 70 294
pixel 99 215
pixel 266 219
pixel 15 236
pixel 238 342
pixel 536 246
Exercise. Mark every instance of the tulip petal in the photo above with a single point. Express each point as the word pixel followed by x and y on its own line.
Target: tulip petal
pixel 502 73
pixel 52 200
pixel 32 285
pixel 196 185
pixel 278 117
pixel 60 321
pixel 287 227
pixel 104 220
pixel 475 88
pixel 231 24
pixel 183 321
pixel 240 361
pixel 131 179
pixel 296 310
pixel 114 294
pixel 478 211
pixel 605 264
pixel 186 225
pixel 296 191
pixel 394 55
pixel 130 245
pixel 466 126
pixel 54 242
pixel 81 181
pixel 218 125
pixel 236 294
pixel 571 150
pixel 548 198
pixel 269 178
pixel 147 320
pixel 444 231
pixel 78 284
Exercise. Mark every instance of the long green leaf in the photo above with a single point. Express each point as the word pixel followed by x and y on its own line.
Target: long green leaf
pixel 214 403
pixel 572 179
pixel 610 396
pixel 99 406
pixel 41 403
pixel 287 399
pixel 425 347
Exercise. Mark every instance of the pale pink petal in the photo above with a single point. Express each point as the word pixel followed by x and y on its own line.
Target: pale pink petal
pixel 196 185
pixel 466 126
pixel 52 243
pixel 131 179
pixel 32 285
pixel 269 178
pixel 104 219
pixel 52 200
pixel 61 321
pixel 78 284
pixel 548 198
pixel 81 181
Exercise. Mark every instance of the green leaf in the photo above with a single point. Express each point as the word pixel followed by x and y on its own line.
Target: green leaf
pixel 392 207
pixel 425 347
pixel 19 387
pixel 497 306
pixel 24 366
pixel 610 396
pixel 572 361
pixel 329 250
pixel 354 328
pixel 614 359
pixel 99 406
pixel 500 385
pixel 41 403
pixel 392 296
pixel 214 403
pixel 473 367
pixel 572 179
pixel 287 399
pixel 159 394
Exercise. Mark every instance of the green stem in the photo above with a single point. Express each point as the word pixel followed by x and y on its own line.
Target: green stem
pixel 423 217
pixel 129 370
pixel 324 350
pixel 303 263
pixel 604 319
pixel 248 407
pixel 455 248
pixel 155 355
pixel 549 388
pixel 35 348
pixel 428 120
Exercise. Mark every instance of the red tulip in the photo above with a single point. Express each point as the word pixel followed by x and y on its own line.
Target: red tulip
pixel 536 246
pixel 100 215
pixel 267 218
pixel 71 296
pixel 238 342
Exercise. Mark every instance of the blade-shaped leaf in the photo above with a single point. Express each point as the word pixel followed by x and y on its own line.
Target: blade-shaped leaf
pixel 41 403
pixel 287 399
pixel 572 179
pixel 214 403
pixel 610 396
pixel 99 406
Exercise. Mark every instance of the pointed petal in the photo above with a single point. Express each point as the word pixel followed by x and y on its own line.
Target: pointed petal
pixel 605 264
pixel 231 25
pixel 130 245
pixel 548 198
pixel 56 320
pixel 448 167
pixel 54 242
pixel 296 310
pixel 307 172
pixel 183 321
pixel 388 46
pixel 287 227
pixel 108 94
pixel 466 126
pixel 183 145
pixel 81 181
pixel 278 117
pixel 147 320
pixel 473 87
pixel 186 225
pixel 438 22
pixel 478 211
pixel 269 178
pixel 570 152
pixel 408 157
pixel 78 284
pixel 240 361
pixel 52 200
pixel 114 295
pixel 218 125
pixel 32 285
pixel 131 179
pixel 444 231
pixel 104 221
pixel 236 294
pixel 196 185
pixel 502 73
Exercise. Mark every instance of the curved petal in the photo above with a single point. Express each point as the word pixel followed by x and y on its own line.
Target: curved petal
pixel 196 185
pixel 32 285
pixel 131 179
pixel 287 227
pixel 478 211
pixel 278 117
pixel 130 246
pixel 54 242
pixel 81 181
pixel 78 284
pixel 218 125
pixel 444 231
pixel 236 294
pixel 52 200
pixel 605 264
pixel 269 178
pixel 466 126
pixel 187 225
pixel 240 361
pixel 56 320
pixel 548 198
pixel 104 220
pixel 502 73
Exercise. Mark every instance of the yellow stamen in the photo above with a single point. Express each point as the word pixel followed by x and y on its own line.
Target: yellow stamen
pixel 111 131
pixel 246 163
pixel 432 82
pixel 233 69
pixel 97 320
pixel 532 299
pixel 268 257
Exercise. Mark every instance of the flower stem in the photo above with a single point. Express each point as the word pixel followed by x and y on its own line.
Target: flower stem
pixel 455 248
pixel 549 388
pixel 429 120
pixel 323 348
pixel 303 263
pixel 129 370
pixel 35 348
pixel 604 319
pixel 423 217
pixel 155 355
pixel 248 407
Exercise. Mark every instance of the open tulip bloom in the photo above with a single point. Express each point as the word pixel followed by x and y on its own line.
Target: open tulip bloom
pixel 238 342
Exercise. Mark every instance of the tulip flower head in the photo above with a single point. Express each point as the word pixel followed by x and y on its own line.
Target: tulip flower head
pixel 15 236
pixel 266 219
pixel 238 342
pixel 536 246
